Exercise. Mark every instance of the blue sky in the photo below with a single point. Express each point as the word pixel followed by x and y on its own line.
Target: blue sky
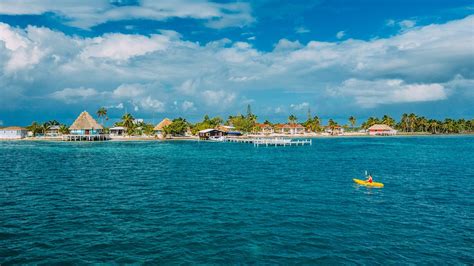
pixel 188 58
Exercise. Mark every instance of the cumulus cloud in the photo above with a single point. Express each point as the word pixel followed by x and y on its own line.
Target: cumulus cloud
pixel 340 34
pixel 299 107
pixel 73 95
pixel 128 91
pixel 420 64
pixel 118 46
pixel 302 30
pixel 187 105
pixel 373 93
pixel 88 13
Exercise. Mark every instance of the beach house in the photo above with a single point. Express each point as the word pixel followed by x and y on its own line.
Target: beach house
pixel 13 132
pixel 229 130
pixel 289 129
pixel 117 131
pixel 334 130
pixel 264 129
pixel 159 128
pixel 53 131
pixel 211 133
pixel 381 130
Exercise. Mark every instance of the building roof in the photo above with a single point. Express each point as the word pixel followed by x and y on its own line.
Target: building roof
pixel 13 128
pixel 289 126
pixel 263 125
pixel 117 128
pixel 165 122
pixel 208 130
pixel 55 127
pixel 381 127
pixel 85 121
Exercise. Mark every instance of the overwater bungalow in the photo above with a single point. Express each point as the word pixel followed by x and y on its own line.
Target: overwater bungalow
pixel 86 128
pixel 159 128
pixel 13 132
pixel 381 130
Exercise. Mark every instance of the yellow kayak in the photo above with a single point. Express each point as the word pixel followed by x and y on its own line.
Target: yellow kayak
pixel 365 183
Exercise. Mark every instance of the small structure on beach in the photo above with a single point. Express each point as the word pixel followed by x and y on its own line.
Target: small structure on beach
pixel 53 131
pixel 229 130
pixel 291 129
pixel 13 132
pixel 334 130
pixel 159 128
pixel 85 128
pixel 264 129
pixel 381 130
pixel 211 133
pixel 117 131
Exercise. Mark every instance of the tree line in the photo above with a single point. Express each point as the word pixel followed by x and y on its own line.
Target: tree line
pixel 248 123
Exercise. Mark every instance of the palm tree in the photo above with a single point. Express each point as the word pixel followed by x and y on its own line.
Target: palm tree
pixel 35 128
pixel 63 129
pixel 53 123
pixel 128 122
pixel 352 120
pixel 292 119
pixel 102 113
pixel 404 122
pixel 412 121
pixel 45 127
pixel 387 120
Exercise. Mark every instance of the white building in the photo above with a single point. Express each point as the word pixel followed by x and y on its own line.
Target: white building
pixel 117 131
pixel 13 133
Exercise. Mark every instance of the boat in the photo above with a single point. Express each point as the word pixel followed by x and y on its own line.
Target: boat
pixel 367 184
pixel 217 139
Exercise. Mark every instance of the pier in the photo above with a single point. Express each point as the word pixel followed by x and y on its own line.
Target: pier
pixel 271 141
pixel 97 137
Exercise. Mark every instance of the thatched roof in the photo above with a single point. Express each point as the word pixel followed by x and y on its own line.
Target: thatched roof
pixel 13 128
pixel 381 127
pixel 165 122
pixel 85 121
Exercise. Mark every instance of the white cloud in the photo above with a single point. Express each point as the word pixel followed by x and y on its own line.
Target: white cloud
pixel 73 95
pixel 299 107
pixel 302 30
pixel 340 34
pixel 372 93
pixel 129 91
pixel 122 47
pixel 406 24
pixel 151 104
pixel 88 13
pixel 187 105
pixel 219 98
pixel 155 70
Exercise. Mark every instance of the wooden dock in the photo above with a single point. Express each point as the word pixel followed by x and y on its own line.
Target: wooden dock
pixel 98 137
pixel 271 141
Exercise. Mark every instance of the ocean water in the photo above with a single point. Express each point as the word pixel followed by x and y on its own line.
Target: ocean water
pixel 230 203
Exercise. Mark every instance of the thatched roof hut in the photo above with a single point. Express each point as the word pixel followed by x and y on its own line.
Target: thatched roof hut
pixel 165 122
pixel 85 122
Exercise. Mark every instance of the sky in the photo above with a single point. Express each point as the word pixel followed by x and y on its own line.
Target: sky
pixel 188 58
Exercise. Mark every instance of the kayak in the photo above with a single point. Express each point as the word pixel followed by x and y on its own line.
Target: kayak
pixel 368 184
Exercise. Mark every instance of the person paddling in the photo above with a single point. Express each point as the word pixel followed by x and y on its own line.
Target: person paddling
pixel 369 178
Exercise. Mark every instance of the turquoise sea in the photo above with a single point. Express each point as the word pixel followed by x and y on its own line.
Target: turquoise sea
pixel 230 203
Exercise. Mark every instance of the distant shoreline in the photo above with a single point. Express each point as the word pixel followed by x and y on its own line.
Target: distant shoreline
pixel 152 139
